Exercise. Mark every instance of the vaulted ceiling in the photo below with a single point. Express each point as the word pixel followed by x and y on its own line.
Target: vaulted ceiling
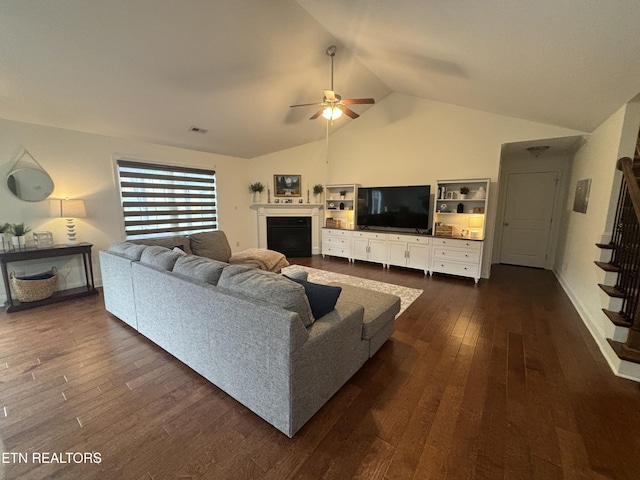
pixel 152 69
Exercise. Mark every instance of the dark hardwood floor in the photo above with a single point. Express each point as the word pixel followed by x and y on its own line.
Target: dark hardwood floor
pixel 491 381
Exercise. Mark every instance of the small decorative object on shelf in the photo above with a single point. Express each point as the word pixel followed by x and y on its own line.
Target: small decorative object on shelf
pixel 18 230
pixel 445 230
pixel 42 239
pixel 343 194
pixel 463 192
pixel 4 228
pixel 257 189
pixel 317 192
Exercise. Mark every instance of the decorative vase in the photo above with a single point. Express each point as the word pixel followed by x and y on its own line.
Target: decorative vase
pixel 18 242
pixel 463 196
pixel 257 197
pixel 481 194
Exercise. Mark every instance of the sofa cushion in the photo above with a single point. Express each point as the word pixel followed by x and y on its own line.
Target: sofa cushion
pixel 322 298
pixel 268 287
pixel 180 241
pixel 297 274
pixel 199 268
pixel 130 250
pixel 159 257
pixel 212 245
pixel 379 308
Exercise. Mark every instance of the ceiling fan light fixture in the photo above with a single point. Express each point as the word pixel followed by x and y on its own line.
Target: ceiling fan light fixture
pixel 332 113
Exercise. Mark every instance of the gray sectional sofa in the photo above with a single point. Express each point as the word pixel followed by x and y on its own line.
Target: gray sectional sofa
pixel 250 332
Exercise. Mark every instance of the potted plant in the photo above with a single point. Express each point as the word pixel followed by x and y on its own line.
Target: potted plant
pixel 317 191
pixel 257 189
pixel 463 192
pixel 343 194
pixel 18 230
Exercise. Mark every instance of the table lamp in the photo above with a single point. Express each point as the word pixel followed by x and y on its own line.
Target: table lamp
pixel 70 210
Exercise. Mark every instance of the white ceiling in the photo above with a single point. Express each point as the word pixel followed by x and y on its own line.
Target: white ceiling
pixel 151 69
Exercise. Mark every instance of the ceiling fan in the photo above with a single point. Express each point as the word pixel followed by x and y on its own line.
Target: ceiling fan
pixel 332 105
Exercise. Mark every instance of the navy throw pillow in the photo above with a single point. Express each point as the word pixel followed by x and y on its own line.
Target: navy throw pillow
pixel 322 298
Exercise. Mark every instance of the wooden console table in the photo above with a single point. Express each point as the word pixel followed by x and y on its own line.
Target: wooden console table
pixel 10 256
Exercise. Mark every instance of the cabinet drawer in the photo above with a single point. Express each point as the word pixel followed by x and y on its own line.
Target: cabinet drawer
pixel 456 254
pixel 454 268
pixel 451 242
pixel 370 235
pixel 409 239
pixel 334 232
pixel 336 251
pixel 335 241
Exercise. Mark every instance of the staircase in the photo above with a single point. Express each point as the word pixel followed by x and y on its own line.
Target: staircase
pixel 623 268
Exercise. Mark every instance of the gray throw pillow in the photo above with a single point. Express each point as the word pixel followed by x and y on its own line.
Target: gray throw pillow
pixel 268 287
pixel 212 245
pixel 159 257
pixel 129 250
pixel 199 268
pixel 180 241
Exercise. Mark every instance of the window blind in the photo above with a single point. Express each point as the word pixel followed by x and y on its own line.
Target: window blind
pixel 166 200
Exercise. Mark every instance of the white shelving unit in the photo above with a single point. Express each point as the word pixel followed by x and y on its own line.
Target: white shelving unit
pixel 468 223
pixel 459 227
pixel 341 208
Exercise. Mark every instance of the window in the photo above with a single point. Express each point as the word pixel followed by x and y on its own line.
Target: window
pixel 162 200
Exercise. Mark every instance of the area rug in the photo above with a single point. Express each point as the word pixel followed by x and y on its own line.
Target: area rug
pixel 407 295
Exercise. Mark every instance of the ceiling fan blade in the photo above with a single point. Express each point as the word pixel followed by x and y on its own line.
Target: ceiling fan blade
pixel 358 101
pixel 305 104
pixel 330 95
pixel 348 111
pixel 317 114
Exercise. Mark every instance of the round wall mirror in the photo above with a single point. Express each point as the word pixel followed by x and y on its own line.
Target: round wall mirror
pixel 30 184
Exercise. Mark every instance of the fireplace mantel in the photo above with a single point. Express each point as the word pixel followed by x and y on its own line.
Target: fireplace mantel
pixel 263 210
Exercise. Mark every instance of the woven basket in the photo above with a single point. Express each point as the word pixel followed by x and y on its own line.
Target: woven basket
pixel 444 230
pixel 32 289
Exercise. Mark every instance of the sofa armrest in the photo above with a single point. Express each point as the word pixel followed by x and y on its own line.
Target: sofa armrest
pixel 324 363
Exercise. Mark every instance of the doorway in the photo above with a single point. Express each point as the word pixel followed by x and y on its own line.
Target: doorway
pixel 528 218
pixel 532 193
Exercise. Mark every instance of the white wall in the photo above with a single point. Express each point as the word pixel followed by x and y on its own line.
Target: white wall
pixel 575 269
pixel 82 166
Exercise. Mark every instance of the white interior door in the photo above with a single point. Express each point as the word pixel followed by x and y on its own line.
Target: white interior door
pixel 528 215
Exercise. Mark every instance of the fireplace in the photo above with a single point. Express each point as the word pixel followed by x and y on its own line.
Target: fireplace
pixel 290 236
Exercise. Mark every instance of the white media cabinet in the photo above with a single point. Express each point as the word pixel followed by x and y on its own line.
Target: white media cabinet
pixel 456 256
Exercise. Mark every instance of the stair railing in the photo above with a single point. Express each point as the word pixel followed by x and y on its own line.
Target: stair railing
pixel 627 252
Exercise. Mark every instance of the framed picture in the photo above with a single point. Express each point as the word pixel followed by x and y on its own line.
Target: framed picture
pixel 581 199
pixel 450 195
pixel 287 185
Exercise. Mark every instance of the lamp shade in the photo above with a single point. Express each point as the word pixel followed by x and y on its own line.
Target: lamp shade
pixel 68 208
pixel 476 221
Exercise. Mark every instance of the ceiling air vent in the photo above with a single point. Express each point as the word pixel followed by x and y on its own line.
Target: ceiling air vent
pixel 198 130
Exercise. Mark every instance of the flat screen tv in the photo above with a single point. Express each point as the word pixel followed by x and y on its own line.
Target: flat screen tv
pixel 394 207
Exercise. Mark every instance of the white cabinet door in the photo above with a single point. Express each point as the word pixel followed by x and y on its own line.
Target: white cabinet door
pixel 378 251
pixel 360 248
pixel 418 256
pixel 397 253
